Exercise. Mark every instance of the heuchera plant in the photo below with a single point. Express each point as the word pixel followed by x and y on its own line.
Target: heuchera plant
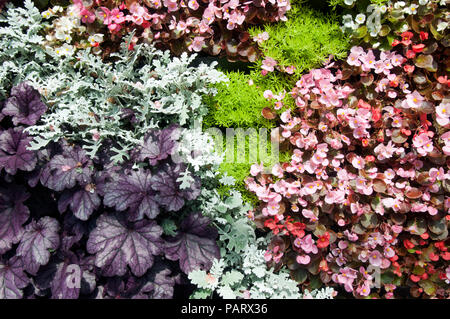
pixel 364 201
pixel 215 27
pixel 71 226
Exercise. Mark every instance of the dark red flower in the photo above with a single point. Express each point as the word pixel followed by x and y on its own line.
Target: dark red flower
pixel 395 42
pixel 408 244
pixel 272 224
pixel 423 35
pixel 296 229
pixel 323 240
pixel 418 47
pixel 408 68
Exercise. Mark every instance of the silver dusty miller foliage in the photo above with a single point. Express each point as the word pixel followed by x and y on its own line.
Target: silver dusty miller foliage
pixel 92 101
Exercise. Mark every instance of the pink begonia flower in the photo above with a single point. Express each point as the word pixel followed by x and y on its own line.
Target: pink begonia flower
pixel 432 210
pixel 446 138
pixel 375 258
pixel 351 236
pixel 105 15
pixel 275 254
pixel 437 174
pixel 268 64
pixel 419 207
pixel 117 16
pixel 365 273
pixel 268 94
pixel 255 169
pixel 197 44
pixel 358 162
pixel 278 105
pixel 310 215
pixel 273 208
pixel 413 100
pixel 363 187
pixel 310 188
pixel 384 151
pixel 261 37
pixel 364 289
pixel 376 239
pixel 235 19
pixel 193 4
pixel 303 259
pixel 368 60
pixel 171 5
pixel 290 69
pixel 87 16
pixel 345 277
pixel 353 59
pixel 397 59
pixel 114 27
pixel 423 144
pixel 443 114
pixel 307 244
pixel 181 25
pixel 277 171
pixel 335 196
pixel 389 173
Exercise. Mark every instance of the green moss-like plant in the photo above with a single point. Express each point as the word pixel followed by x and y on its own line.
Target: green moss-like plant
pixel 237 104
pixel 305 40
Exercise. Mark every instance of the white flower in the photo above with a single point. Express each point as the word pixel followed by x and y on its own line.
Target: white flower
pixel 65 24
pixel 62 36
pixel 360 18
pixel 57 9
pixel 399 4
pixel 349 2
pixel 65 49
pixel 383 9
pixel 73 11
pixel 412 9
pixel 404 27
pixel 442 25
pixel 96 38
pixel 47 14
pixel 423 2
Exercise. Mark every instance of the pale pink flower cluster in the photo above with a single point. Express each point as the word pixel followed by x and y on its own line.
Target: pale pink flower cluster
pixel 192 19
pixel 353 158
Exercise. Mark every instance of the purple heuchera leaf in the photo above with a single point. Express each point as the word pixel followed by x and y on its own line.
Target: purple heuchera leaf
pixel 117 243
pixel 158 284
pixel 82 200
pixel 195 245
pixel 24 105
pixel 12 278
pixel 169 193
pixel 134 192
pixel 159 144
pixel 13 151
pixel 38 238
pixel 2 103
pixel 13 214
pixel 72 232
pixel 67 169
